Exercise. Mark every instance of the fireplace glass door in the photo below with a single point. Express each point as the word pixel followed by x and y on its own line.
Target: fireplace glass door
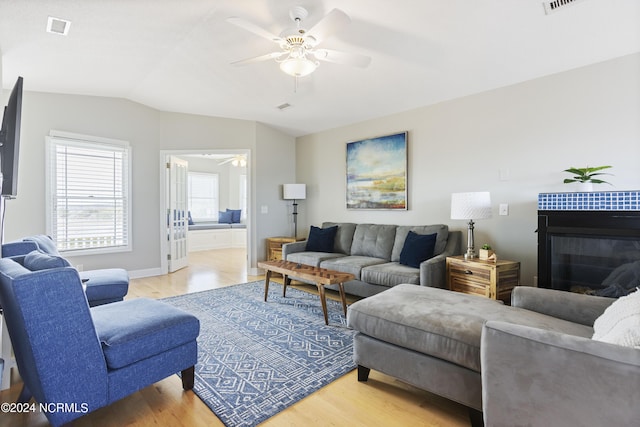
pixel 599 265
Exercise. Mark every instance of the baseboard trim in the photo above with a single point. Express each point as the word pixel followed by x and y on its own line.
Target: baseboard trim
pixel 149 272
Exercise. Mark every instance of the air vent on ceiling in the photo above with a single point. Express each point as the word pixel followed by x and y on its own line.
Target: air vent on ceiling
pixel 58 26
pixel 551 6
pixel 283 106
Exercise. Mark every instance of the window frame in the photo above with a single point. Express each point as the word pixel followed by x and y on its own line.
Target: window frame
pixel 56 138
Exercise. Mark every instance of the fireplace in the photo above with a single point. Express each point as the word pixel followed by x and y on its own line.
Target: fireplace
pixel 589 242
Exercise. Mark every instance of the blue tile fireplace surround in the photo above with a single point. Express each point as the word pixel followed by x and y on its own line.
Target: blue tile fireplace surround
pixel 589 242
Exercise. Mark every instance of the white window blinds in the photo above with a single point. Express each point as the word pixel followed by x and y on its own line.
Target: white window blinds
pixel 203 196
pixel 89 194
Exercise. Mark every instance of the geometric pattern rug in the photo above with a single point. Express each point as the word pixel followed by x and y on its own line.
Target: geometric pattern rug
pixel 256 358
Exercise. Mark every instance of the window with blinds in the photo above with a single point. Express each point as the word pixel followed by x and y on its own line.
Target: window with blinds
pixel 89 207
pixel 203 196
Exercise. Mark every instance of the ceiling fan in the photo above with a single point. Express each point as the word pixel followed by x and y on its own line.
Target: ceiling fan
pixel 298 55
pixel 237 160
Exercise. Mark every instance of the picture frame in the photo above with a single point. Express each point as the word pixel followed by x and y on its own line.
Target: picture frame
pixel 377 173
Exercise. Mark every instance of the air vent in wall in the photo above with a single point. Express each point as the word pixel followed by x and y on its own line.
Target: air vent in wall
pixel 58 26
pixel 556 5
pixel 283 106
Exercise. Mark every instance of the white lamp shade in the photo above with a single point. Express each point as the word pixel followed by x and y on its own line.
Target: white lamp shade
pixel 294 191
pixel 476 205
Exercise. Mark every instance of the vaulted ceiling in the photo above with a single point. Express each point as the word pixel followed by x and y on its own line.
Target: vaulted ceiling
pixel 176 55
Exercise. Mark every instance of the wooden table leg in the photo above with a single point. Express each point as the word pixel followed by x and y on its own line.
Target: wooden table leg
pixel 323 300
pixel 287 282
pixel 266 284
pixel 342 297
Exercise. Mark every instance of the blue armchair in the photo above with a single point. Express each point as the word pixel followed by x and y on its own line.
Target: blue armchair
pixel 102 286
pixel 74 359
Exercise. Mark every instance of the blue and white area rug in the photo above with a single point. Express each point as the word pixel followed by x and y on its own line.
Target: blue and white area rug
pixel 256 358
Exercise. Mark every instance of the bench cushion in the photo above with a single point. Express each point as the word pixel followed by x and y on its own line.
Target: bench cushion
pixel 442 323
pixel 136 329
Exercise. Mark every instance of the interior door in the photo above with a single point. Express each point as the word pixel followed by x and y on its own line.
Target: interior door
pixel 177 213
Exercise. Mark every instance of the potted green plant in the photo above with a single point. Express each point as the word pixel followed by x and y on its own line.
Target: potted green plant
pixel 586 176
pixel 485 252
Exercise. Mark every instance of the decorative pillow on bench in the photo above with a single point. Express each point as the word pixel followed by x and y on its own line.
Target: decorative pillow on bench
pixel 236 214
pixel 620 322
pixel 225 217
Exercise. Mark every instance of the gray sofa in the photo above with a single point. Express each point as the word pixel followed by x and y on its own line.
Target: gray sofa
pixel 371 252
pixel 532 363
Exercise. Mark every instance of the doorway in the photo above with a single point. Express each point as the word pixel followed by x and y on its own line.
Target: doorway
pixel 223 177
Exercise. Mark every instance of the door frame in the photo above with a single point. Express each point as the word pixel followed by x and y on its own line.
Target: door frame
pixel 162 209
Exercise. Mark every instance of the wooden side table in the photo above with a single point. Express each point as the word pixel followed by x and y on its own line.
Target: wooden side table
pixel 274 246
pixel 493 280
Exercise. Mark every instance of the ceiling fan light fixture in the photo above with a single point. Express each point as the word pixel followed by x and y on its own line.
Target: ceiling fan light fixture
pixel 298 67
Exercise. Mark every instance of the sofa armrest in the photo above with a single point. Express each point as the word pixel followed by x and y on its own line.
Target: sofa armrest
pixel 18 248
pixel 433 271
pixel 543 378
pixel 293 247
pixel 570 306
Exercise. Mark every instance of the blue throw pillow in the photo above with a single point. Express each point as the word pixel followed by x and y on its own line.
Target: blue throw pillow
pixel 321 239
pixel 37 260
pixel 235 215
pixel 189 218
pixel 417 248
pixel 225 217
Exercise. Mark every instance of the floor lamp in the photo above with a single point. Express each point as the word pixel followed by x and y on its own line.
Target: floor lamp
pixel 471 206
pixel 294 192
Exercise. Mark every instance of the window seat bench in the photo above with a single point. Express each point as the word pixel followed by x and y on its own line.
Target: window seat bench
pixel 213 235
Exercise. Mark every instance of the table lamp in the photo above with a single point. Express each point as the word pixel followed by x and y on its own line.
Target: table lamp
pixel 294 192
pixel 475 205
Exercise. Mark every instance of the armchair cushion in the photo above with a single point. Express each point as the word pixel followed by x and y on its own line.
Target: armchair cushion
pixel 38 260
pixel 620 322
pixel 137 329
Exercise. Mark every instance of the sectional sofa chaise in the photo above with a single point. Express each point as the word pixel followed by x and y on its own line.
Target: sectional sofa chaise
pixel 372 253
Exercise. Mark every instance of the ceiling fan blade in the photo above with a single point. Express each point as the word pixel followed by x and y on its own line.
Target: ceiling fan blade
pixel 272 55
pixel 253 28
pixel 226 161
pixel 333 22
pixel 353 59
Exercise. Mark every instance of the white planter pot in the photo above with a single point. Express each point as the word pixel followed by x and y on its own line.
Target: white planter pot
pixel 585 186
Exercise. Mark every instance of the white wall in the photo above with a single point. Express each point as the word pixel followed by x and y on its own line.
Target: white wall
pixel 531 131
pixel 149 131
pixel 275 165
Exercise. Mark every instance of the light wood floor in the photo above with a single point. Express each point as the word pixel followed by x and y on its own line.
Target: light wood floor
pixel 381 401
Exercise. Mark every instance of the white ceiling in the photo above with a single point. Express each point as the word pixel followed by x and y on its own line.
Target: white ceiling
pixel 175 55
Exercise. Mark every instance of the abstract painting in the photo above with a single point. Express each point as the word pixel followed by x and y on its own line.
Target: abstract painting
pixel 377 173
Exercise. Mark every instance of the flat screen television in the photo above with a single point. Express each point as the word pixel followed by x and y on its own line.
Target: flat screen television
pixel 10 141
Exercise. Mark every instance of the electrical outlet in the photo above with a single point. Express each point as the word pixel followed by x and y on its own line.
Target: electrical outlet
pixel 504 209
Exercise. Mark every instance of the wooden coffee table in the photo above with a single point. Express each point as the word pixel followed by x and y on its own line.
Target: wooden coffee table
pixel 318 276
